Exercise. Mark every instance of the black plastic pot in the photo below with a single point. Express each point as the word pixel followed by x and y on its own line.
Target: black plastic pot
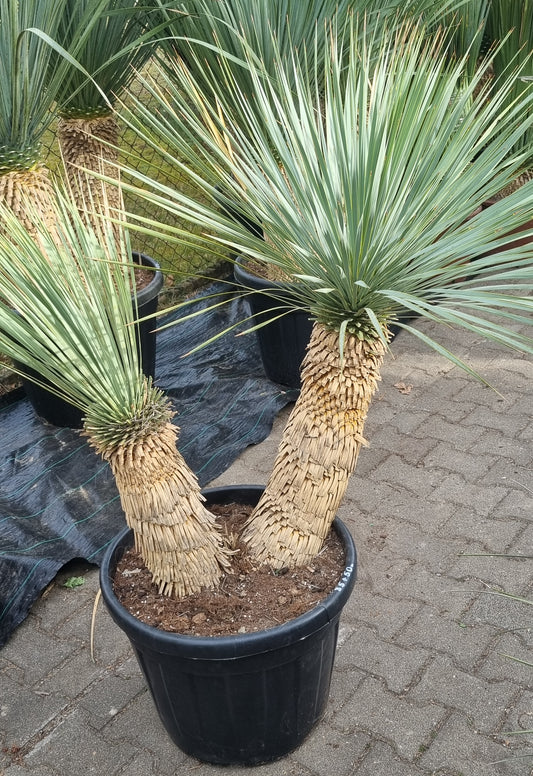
pixel 245 699
pixel 61 413
pixel 283 341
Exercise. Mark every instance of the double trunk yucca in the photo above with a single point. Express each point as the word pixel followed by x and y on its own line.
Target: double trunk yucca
pixel 364 175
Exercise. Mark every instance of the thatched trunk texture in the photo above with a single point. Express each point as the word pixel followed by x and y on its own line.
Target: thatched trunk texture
pixel 318 451
pixel 22 187
pixel 91 144
pixel 174 533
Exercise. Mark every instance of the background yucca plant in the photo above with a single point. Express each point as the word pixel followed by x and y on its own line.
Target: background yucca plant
pixel 466 27
pixel 510 24
pixel 364 185
pixel 118 40
pixel 29 90
pixel 214 38
pixel 66 312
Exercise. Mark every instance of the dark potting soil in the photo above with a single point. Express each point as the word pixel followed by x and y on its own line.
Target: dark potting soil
pixel 247 600
pixel 143 277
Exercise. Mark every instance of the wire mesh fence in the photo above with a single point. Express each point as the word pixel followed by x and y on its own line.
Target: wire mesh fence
pixel 182 262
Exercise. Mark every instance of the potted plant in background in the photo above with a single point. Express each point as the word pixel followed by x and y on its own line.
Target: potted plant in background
pixel 510 29
pixel 29 90
pixel 92 50
pixel 103 59
pixel 363 189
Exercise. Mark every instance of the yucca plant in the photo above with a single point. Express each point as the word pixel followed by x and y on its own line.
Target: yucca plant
pixel 364 189
pixel 510 24
pixel 66 312
pixel 466 27
pixel 118 40
pixel 29 90
pixel 214 38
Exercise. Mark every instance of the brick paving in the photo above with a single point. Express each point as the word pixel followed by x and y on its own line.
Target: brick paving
pixel 423 685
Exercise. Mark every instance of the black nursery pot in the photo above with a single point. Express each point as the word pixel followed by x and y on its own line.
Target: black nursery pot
pixel 283 341
pixel 61 413
pixel 245 699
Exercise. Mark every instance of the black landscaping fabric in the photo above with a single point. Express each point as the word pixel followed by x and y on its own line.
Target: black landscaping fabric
pixel 58 500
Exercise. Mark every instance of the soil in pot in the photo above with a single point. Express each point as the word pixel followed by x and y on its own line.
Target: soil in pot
pixel 247 600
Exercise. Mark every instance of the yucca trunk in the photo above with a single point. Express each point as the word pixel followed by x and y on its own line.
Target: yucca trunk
pixel 318 451
pixel 175 534
pixel 90 144
pixel 19 186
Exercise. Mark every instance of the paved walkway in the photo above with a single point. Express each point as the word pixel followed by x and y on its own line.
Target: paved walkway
pixel 423 685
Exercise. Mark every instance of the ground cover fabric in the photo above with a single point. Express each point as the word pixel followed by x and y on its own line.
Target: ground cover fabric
pixel 58 500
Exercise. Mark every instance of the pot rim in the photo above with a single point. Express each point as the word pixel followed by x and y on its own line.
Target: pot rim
pixel 155 285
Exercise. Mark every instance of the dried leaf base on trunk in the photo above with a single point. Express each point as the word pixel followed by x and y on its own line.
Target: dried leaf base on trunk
pixel 91 144
pixel 20 187
pixel 318 451
pixel 175 534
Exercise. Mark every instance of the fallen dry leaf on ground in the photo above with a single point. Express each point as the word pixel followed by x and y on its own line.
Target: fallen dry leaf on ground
pixel 403 388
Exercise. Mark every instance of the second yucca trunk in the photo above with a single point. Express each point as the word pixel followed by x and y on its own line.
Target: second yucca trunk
pixel 174 533
pixel 318 451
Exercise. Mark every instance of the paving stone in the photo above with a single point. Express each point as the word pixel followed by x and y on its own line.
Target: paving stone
pixel 24 712
pixel 490 418
pixel 517 504
pixel 500 611
pixel 431 630
pixel 73 747
pixel 395 471
pixel 286 767
pixel 447 595
pixel 397 665
pixel 494 534
pixel 326 746
pixel 386 616
pixel 512 448
pixel 458 750
pixel 21 770
pixel 511 657
pixel 509 574
pixel 524 543
pixel 369 495
pixel 143 764
pixel 107 697
pixel 138 723
pixel 67 601
pixel 423 549
pixel 444 456
pixel 454 488
pixel 481 701
pixel 439 428
pixel 39 654
pixel 343 684
pixel 377 711
pixel 412 449
pixel 519 719
pixel 381 760
pixel 402 507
